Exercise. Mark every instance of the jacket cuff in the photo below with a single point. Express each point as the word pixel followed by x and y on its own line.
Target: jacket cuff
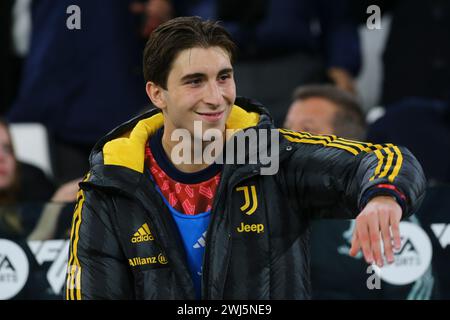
pixel 385 190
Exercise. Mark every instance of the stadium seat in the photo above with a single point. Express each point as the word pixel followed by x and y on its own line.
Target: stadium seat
pixel 31 145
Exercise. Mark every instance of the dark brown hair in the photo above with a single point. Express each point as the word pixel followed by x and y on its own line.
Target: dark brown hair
pixel 176 35
pixel 349 121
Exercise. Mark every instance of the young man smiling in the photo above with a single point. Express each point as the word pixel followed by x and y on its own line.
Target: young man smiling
pixel 146 227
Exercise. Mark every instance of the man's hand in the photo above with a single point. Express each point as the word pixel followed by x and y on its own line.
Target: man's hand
pixel 342 79
pixel 382 216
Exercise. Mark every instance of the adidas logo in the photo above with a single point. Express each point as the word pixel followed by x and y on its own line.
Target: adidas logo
pixel 201 242
pixel 143 234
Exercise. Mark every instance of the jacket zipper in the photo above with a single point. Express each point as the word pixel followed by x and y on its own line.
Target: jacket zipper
pixel 227 254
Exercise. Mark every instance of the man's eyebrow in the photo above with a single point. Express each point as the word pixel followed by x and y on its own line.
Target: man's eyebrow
pixel 191 76
pixel 197 75
pixel 226 70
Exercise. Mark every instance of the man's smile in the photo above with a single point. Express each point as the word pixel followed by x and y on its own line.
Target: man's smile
pixel 211 116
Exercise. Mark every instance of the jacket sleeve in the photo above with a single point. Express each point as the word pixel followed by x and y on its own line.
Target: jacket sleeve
pixel 334 178
pixel 96 267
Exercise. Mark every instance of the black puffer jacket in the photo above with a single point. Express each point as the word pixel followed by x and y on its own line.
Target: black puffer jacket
pixel 125 244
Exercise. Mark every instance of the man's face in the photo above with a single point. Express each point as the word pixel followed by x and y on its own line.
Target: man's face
pixel 7 160
pixel 200 87
pixel 315 115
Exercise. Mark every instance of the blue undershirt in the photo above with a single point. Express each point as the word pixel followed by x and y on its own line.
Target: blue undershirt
pixel 192 228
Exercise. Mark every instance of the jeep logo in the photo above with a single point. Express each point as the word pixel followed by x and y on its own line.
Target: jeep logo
pixel 258 228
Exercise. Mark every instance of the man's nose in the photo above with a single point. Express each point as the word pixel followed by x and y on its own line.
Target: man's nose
pixel 213 94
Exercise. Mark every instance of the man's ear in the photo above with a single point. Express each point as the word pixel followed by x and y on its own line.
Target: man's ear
pixel 156 95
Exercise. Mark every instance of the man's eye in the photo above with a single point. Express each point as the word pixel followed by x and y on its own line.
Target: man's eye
pixel 225 77
pixel 194 82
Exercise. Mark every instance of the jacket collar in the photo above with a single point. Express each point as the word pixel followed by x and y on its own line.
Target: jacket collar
pixel 118 159
pixel 128 150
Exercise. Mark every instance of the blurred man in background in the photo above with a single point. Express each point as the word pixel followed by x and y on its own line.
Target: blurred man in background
pixel 325 109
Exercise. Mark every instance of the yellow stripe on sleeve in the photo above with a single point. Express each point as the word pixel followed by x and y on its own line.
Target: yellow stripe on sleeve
pixel 390 158
pixel 385 162
pixel 398 164
pixel 326 141
pixel 73 284
pixel 380 163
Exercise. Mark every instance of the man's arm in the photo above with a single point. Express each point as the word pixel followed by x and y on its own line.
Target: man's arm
pixel 96 267
pixel 339 178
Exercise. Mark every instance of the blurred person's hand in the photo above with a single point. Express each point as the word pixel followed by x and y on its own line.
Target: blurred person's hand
pixel 154 12
pixel 374 225
pixel 67 192
pixel 342 79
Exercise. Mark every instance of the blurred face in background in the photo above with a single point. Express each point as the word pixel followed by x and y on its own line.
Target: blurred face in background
pixel 7 159
pixel 314 115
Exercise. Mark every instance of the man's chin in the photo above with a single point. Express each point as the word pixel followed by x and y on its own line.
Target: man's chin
pixel 216 126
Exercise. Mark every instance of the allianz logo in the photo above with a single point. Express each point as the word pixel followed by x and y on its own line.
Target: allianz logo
pixel 141 261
